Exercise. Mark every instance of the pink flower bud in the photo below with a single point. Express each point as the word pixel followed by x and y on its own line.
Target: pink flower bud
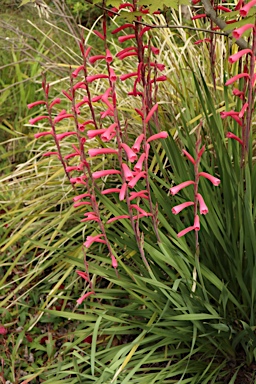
pixel 95 132
pixel 243 110
pixel 177 188
pixel 35 103
pixel 212 179
pixel 122 28
pixel 178 208
pixel 122 39
pixel 84 275
pixel 110 190
pixel 61 136
pixel 90 79
pixel 128 75
pixel 141 194
pixel 40 134
pixel 36 119
pixel 97 33
pixel 79 197
pixel 117 218
pixel 150 114
pixel 76 71
pixel 190 158
pixel 114 262
pixel 81 299
pixel 92 239
pixel 231 135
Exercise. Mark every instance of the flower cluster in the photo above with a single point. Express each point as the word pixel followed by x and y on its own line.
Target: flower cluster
pixel 198 198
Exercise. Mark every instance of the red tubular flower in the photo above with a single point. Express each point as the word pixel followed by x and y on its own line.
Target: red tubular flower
pixel 202 205
pixel 81 299
pixel 95 58
pixel 95 132
pixel 190 158
pixel 101 151
pixel 128 175
pixel 185 231
pixel 138 167
pixel 114 262
pixel 135 195
pixel 125 50
pixel 110 190
pixel 117 218
pixel 237 33
pixel 109 133
pixel 134 181
pixel 129 152
pixel 231 135
pixel 150 114
pixel 94 239
pixel 97 33
pixel 122 27
pixel 243 110
pixel 212 179
pixel 61 136
pixel 76 71
pixel 109 58
pixel 161 135
pixel 62 116
pixel 99 174
pixel 197 223
pixel 246 8
pixel 122 39
pixel 237 77
pixel 40 134
pixel 128 75
pixel 36 119
pixel 90 79
pixel 123 192
pixel 177 188
pixel 84 275
pixel 232 59
pixel 79 197
pixel 137 143
pixel 35 103
pixel 178 208
pixel 198 16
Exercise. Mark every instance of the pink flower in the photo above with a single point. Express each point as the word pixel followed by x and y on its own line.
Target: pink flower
pixel 206 40
pixel 35 103
pixel 95 132
pixel 237 77
pixel 118 218
pixel 128 75
pixel 54 102
pixel 242 112
pixel 232 59
pixel 246 8
pixel 84 275
pixel 151 113
pixel 188 156
pixel 122 39
pixel 114 262
pixel 109 133
pixel 127 54
pixel 177 188
pixel 203 206
pixel 109 58
pixel 135 195
pixel 110 190
pixel 3 330
pixel 40 134
pixel 122 28
pixel 139 209
pixel 178 208
pixel 224 114
pixel 81 203
pixel 36 119
pixel 128 175
pixel 138 167
pixel 212 179
pixel 137 144
pixel 129 152
pixel 61 136
pixel 76 71
pixel 202 15
pixel 197 223
pixel 237 33
pixel 97 33
pixel 50 154
pixel 134 181
pixel 128 49
pixel 98 174
pixel 185 231
pixel 81 299
pixel 79 197
pixel 90 79
pixel 92 239
pixel 123 192
pixel 161 135
pixel 112 75
pixel 231 135
pixel 101 151
pixel 62 116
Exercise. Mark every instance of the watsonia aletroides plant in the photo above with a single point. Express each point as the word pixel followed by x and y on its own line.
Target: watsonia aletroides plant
pixel 131 167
